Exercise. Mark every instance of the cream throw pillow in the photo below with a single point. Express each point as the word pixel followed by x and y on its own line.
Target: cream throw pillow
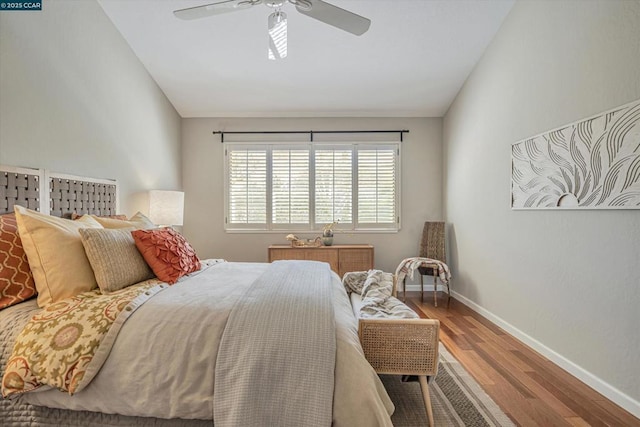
pixel 56 256
pixel 138 221
pixel 114 257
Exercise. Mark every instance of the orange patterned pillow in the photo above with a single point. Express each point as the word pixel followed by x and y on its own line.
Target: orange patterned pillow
pixel 167 252
pixel 16 280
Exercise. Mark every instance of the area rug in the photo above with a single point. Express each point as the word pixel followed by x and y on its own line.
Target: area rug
pixel 457 399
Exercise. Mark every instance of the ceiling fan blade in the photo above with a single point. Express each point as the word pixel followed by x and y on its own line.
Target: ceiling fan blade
pixel 335 16
pixel 217 8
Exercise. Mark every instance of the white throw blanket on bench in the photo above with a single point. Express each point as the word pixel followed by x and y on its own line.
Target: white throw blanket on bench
pixel 376 288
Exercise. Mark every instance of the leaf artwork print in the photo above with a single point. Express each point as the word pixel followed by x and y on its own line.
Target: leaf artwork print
pixel 591 164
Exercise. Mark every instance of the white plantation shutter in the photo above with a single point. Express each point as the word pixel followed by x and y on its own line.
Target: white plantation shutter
pixel 334 186
pixel 290 186
pixel 377 186
pixel 247 186
pixel 304 186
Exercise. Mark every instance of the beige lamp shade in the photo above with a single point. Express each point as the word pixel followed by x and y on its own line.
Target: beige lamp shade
pixel 166 207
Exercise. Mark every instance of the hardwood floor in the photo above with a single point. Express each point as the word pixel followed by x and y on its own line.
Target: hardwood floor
pixel 528 387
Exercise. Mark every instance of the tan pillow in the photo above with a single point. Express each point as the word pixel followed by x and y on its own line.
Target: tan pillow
pixel 75 216
pixel 56 256
pixel 138 221
pixel 114 257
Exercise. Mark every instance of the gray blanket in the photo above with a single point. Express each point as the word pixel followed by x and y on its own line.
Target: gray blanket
pixel 278 351
pixel 162 363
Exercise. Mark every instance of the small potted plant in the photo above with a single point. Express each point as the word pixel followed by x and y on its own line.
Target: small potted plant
pixel 327 233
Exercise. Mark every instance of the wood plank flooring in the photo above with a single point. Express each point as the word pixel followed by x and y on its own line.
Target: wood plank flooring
pixel 529 388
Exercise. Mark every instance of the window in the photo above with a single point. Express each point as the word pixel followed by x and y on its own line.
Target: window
pixel 301 187
pixel 290 186
pixel 247 174
pixel 376 186
pixel 334 185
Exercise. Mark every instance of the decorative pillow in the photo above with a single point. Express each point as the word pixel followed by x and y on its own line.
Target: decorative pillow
pixel 138 221
pixel 114 258
pixel 75 216
pixel 56 256
pixel 167 252
pixel 16 280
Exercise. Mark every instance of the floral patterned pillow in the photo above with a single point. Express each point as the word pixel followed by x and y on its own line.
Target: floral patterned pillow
pixel 167 252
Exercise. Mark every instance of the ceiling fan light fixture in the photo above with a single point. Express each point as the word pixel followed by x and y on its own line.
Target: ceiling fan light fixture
pixel 277 35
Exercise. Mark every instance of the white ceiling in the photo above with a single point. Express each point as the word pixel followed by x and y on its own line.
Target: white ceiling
pixel 411 63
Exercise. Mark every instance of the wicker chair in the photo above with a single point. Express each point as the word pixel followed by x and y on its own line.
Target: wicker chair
pixel 432 246
pixel 403 347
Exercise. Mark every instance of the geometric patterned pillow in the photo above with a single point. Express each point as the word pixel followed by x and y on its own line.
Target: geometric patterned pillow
pixel 16 280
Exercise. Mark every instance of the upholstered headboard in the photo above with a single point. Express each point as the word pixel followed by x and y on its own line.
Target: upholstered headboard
pixel 56 194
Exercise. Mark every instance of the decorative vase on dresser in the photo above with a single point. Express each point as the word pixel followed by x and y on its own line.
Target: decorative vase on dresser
pixel 327 238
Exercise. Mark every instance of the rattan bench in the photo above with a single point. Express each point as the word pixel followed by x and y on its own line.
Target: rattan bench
pixel 402 347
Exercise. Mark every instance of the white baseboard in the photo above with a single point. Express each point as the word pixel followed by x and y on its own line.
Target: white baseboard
pixel 602 387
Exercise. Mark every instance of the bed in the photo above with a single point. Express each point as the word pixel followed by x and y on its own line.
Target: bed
pixel 180 343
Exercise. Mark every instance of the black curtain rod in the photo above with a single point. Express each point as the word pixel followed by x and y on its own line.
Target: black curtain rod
pixel 310 132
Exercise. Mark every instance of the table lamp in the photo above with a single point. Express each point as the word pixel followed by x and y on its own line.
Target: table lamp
pixel 166 207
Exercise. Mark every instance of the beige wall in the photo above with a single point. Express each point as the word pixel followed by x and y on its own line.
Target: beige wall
pixel 203 183
pixel 566 282
pixel 75 99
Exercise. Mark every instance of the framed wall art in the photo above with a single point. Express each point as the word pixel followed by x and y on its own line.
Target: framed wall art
pixel 590 164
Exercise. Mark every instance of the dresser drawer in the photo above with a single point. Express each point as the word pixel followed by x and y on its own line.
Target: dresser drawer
pixel 341 258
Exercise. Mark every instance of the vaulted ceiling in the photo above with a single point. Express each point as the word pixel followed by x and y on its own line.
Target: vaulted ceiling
pixel 412 62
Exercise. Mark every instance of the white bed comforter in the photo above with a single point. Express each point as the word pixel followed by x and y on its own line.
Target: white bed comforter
pixel 163 361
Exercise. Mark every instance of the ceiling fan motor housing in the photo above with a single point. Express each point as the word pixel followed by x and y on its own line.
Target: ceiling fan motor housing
pixel 275 3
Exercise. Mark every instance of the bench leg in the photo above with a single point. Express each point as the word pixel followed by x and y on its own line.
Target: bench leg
pixel 427 398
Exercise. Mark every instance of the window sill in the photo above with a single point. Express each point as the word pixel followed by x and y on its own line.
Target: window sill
pixel 311 232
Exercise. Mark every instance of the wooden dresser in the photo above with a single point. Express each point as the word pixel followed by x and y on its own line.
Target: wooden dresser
pixel 341 258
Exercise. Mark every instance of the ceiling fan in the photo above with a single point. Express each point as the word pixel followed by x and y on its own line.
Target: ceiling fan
pixel 277 22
